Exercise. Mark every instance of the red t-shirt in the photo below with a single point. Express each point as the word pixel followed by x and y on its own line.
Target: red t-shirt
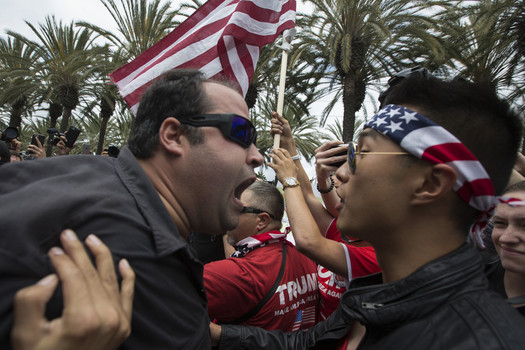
pixel 234 286
pixel 361 261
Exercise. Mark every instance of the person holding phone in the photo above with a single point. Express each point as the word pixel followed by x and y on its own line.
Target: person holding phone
pixel 36 147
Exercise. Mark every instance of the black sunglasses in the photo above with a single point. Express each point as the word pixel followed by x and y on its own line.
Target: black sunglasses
pixel 251 210
pixel 352 152
pixel 232 126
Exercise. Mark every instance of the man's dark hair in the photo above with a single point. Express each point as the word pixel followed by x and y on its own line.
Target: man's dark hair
pixel 482 121
pixel 267 198
pixel 176 93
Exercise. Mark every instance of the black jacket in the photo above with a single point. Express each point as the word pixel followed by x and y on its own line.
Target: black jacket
pixel 445 304
pixel 114 199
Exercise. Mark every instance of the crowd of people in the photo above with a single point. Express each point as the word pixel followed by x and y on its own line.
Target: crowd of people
pixel 395 255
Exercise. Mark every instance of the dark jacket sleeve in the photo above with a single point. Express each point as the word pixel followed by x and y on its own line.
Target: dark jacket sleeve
pixel 323 335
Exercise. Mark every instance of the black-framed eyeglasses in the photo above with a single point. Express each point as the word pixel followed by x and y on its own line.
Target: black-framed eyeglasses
pixel 251 210
pixel 232 126
pixel 352 152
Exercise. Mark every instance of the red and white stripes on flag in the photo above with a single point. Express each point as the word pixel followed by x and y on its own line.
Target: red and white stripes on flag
pixel 223 37
pixel 426 140
pixel 304 319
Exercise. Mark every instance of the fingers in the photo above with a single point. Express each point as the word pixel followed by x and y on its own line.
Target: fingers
pixel 95 316
pixel 113 306
pixel 327 145
pixel 276 124
pixel 105 266
pixel 29 309
pixel 279 117
pixel 105 313
pixel 32 149
pixel 280 125
pixel 127 288
pixel 36 151
pixel 282 164
pixel 280 154
pixel 77 253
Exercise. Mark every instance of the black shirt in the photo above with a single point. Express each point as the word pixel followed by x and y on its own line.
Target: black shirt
pixel 495 274
pixel 114 199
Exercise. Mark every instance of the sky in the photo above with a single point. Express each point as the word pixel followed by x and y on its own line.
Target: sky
pixel 15 12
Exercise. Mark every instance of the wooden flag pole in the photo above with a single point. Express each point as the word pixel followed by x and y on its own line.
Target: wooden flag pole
pixel 286 46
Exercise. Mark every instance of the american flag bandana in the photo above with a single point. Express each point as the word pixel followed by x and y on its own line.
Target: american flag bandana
pixel 426 140
pixel 248 244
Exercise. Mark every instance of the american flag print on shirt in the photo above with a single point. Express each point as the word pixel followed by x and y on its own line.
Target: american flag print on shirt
pixel 222 37
pixel 304 319
pixel 426 140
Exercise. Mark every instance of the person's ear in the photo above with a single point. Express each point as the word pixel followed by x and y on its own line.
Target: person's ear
pixel 263 220
pixel 170 136
pixel 438 182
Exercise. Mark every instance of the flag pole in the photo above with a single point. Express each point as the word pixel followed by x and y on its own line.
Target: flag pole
pixel 288 35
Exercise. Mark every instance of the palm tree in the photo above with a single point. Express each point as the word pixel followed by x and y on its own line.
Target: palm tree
pixel 335 131
pixel 140 25
pixel 105 94
pixel 485 40
pixel 357 41
pixel 514 27
pixel 64 61
pixel 479 41
pixel 18 85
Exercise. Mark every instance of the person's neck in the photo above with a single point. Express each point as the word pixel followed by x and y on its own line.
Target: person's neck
pixel 412 247
pixel 154 169
pixel 514 284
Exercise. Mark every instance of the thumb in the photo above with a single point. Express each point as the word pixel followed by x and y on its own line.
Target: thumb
pixel 30 305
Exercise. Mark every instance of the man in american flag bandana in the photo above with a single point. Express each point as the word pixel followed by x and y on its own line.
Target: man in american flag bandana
pixel 425 172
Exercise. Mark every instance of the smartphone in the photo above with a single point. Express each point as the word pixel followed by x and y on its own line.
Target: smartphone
pixel 41 138
pixel 86 148
pixel 71 136
pixel 343 151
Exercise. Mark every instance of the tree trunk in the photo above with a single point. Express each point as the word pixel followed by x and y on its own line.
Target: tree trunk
pixel 16 112
pixel 16 118
pixel 55 111
pixel 107 107
pixel 65 119
pixel 348 106
pixel 102 133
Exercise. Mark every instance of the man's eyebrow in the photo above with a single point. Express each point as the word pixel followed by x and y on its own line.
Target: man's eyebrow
pixel 368 133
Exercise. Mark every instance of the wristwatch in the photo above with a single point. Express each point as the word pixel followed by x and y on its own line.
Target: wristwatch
pixel 290 182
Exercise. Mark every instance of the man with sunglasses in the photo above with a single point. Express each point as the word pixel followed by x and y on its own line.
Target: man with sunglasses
pixel 427 170
pixel 190 155
pixel 266 283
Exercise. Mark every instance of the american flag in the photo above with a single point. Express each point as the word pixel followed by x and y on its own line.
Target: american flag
pixel 304 319
pixel 223 37
pixel 426 140
pixel 250 243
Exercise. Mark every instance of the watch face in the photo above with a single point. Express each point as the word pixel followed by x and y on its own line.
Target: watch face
pixel 291 181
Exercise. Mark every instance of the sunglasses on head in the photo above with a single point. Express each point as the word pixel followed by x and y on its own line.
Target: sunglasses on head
pixel 232 126
pixel 353 152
